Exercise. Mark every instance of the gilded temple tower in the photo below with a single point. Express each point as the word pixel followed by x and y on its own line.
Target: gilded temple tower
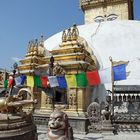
pixel 71 56
pixel 102 10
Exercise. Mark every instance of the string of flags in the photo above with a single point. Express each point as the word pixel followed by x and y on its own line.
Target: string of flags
pixel 83 79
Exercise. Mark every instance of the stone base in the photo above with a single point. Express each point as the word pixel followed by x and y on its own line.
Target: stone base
pixel 16 127
pixel 107 128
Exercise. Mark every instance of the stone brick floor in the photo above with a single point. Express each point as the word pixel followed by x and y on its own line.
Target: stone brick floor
pixel 93 136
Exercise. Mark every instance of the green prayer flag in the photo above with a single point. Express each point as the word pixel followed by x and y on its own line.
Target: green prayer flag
pixel 37 81
pixel 5 84
pixel 81 79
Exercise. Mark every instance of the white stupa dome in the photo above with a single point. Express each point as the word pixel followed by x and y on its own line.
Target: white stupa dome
pixel 118 39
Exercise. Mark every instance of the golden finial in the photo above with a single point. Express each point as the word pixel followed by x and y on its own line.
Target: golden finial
pixel 75 32
pixel 42 38
pixel 41 43
pixel 69 35
pixel 32 47
pixel 64 36
pixel 36 42
pixel 28 49
pixel 29 45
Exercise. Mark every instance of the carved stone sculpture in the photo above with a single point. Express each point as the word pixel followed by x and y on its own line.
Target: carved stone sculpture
pixel 94 116
pixel 58 126
pixel 106 113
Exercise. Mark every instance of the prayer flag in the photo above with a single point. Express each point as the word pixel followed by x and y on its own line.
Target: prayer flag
pixel 37 81
pixel 18 80
pixel 23 78
pixel 81 79
pixel 119 72
pixel 5 84
pixel 62 81
pixel 71 81
pixel 93 78
pixel 105 75
pixel 30 81
pixel 44 81
pixel 53 81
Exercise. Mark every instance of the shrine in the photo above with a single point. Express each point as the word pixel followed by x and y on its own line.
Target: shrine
pixel 72 56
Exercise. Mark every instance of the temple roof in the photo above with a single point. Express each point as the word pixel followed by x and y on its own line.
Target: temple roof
pixel 118 39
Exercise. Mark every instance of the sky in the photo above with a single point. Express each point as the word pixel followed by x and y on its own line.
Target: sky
pixel 25 20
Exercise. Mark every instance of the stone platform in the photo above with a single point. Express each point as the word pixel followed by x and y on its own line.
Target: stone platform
pixel 97 136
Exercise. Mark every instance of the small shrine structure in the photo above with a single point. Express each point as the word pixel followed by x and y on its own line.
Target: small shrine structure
pixel 72 56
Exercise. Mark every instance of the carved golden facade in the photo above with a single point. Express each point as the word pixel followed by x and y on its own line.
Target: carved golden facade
pixel 34 57
pixel 72 56
pixel 103 10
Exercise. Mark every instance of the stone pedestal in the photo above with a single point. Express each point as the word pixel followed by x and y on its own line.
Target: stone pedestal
pixel 17 128
pixel 107 128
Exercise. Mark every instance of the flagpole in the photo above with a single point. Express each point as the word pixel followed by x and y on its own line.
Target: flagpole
pixel 112 81
pixel 51 74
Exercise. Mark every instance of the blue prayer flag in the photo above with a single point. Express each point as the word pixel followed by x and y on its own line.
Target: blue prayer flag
pixel 23 78
pixel 62 81
pixel 119 72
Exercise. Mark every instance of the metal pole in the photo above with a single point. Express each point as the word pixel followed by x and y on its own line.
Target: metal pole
pixel 51 74
pixel 112 79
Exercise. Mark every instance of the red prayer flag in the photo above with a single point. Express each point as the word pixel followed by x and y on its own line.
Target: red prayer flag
pixel 44 81
pixel 93 78
pixel 10 81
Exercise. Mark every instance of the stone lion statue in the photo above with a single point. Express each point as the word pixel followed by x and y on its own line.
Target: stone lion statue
pixel 58 127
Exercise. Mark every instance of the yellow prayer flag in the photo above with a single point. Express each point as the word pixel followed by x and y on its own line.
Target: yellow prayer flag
pixel 71 81
pixel 30 81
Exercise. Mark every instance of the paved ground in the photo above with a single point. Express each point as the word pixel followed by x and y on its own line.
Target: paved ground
pixel 94 136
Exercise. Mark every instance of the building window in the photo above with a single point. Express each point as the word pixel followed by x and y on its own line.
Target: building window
pixel 60 96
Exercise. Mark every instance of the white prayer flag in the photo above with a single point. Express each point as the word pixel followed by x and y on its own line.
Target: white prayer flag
pixel 53 81
pixel 105 75
pixel 18 80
